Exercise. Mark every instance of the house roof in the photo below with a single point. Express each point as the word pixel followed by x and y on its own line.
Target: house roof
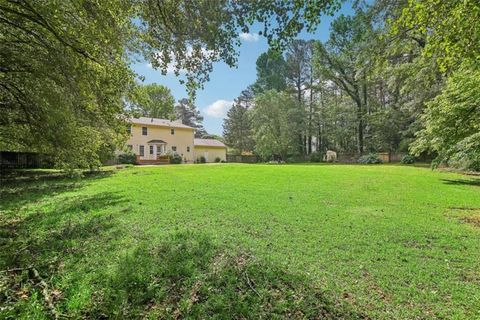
pixel 159 122
pixel 208 143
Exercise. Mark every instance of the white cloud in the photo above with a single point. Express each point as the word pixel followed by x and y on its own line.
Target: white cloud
pixel 249 37
pixel 218 109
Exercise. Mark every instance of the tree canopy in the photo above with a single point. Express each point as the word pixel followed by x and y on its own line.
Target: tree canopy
pixel 188 113
pixel 452 121
pixel 65 65
pixel 154 100
pixel 277 120
pixel 396 76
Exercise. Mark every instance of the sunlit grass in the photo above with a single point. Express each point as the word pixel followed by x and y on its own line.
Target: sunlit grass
pixel 342 241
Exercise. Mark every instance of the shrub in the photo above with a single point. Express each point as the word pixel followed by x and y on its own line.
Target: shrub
pixel 201 159
pixel 408 159
pixel 294 159
pixel 127 158
pixel 217 159
pixel 371 158
pixel 465 155
pixel 175 158
pixel 316 156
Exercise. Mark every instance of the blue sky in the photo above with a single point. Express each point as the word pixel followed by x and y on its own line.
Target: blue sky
pixel 226 83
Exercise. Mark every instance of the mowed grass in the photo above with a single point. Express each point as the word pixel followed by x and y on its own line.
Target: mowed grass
pixel 242 241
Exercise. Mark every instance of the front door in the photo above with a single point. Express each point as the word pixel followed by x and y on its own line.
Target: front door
pixel 151 152
pixel 205 154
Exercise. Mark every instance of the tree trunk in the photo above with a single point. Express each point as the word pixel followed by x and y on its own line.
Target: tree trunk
pixel 360 126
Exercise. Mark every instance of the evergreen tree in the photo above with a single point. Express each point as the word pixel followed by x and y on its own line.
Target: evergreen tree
pixel 271 69
pixel 237 128
pixel 190 116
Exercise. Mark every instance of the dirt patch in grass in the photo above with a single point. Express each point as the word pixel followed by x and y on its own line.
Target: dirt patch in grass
pixel 473 220
pixel 467 215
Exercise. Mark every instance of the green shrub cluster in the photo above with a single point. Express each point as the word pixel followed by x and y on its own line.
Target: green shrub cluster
pixel 201 159
pixel 370 158
pixel 127 158
pixel 316 156
pixel 217 159
pixel 175 158
pixel 408 159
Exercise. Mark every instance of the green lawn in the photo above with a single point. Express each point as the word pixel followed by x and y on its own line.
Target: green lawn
pixel 242 241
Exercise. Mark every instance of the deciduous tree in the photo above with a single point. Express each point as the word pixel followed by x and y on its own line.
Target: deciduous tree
pixel 277 122
pixel 154 100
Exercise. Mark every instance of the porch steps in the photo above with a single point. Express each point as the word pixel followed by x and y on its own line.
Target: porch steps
pixel 159 160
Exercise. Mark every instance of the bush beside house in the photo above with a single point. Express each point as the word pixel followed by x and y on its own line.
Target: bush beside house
pixel 175 158
pixel 127 158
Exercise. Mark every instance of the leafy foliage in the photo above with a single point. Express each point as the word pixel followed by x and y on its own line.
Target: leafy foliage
pixel 127 158
pixel 340 60
pixel 452 121
pixel 370 158
pixel 316 156
pixel 277 120
pixel 155 101
pixel 64 73
pixel 447 31
pixel 65 65
pixel 175 158
pixel 271 69
pixel 194 35
pixel 186 111
pixel 408 159
pixel 237 126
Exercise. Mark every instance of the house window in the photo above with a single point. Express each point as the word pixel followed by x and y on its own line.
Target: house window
pixel 144 131
pixel 151 149
pixel 174 148
pixel 172 131
pixel 188 149
pixel 129 129
pixel 142 151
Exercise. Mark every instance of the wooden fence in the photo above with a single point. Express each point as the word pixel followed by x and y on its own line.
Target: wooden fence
pixel 242 158
pixel 386 157
pixel 23 160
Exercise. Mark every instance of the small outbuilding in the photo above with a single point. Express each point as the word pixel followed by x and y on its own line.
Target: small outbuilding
pixel 211 149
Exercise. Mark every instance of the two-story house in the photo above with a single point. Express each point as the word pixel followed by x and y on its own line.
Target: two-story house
pixel 151 139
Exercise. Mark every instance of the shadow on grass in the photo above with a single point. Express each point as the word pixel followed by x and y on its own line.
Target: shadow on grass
pixel 35 243
pixel 467 182
pixel 33 240
pixel 28 186
pixel 188 276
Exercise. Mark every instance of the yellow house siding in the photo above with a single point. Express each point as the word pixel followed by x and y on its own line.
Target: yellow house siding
pixel 210 153
pixel 182 139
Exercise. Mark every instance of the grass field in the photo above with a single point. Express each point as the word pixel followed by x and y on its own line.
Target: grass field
pixel 242 241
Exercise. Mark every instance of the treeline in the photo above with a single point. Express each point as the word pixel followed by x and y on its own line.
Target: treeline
pixel 393 77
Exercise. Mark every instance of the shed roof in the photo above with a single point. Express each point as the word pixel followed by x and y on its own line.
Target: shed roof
pixel 209 143
pixel 159 122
